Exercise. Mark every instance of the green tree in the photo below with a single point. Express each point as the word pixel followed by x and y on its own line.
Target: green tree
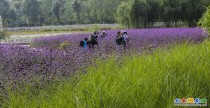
pixel 1 24
pixel 123 13
pixel 12 18
pixel 77 7
pixel 153 12
pixel 46 12
pixel 171 11
pixel 16 14
pixel 205 20
pixel 56 7
pixel 138 13
pixel 192 10
pixel 4 10
pixel 3 33
pixel 31 9
pixel 69 16
pixel 132 13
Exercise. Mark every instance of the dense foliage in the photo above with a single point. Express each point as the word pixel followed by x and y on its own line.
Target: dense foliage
pixel 1 29
pixel 205 20
pixel 132 13
pixel 149 13
pixel 3 33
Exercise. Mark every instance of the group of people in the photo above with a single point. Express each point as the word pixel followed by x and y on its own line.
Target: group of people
pixel 92 40
pixel 121 39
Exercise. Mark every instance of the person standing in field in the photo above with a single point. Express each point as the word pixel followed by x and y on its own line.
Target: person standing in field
pixel 126 36
pixel 83 43
pixel 125 41
pixel 93 40
pixel 119 40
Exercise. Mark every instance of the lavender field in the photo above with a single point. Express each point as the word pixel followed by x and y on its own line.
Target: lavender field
pixel 139 38
pixel 46 59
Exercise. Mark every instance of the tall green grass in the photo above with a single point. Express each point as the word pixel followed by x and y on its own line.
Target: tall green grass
pixel 137 81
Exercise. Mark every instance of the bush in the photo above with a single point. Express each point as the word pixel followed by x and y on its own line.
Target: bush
pixel 3 35
pixel 205 20
pixel 64 45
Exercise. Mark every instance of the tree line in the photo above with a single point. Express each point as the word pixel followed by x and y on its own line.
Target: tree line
pixel 175 13
pixel 131 13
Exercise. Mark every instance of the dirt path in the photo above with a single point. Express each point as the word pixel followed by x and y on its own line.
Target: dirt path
pixel 21 39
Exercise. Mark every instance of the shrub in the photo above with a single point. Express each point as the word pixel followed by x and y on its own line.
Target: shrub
pixel 64 45
pixel 4 35
pixel 205 20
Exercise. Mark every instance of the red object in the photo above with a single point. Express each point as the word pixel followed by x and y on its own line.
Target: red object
pixel 184 100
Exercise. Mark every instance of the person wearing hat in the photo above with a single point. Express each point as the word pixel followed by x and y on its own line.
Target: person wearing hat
pixel 119 40
pixel 125 39
pixel 103 34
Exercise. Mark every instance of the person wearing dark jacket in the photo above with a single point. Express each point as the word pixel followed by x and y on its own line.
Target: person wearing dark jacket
pixel 93 40
pixel 119 39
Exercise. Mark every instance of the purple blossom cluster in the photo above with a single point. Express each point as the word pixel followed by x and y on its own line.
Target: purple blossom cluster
pixel 27 64
pixel 46 61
